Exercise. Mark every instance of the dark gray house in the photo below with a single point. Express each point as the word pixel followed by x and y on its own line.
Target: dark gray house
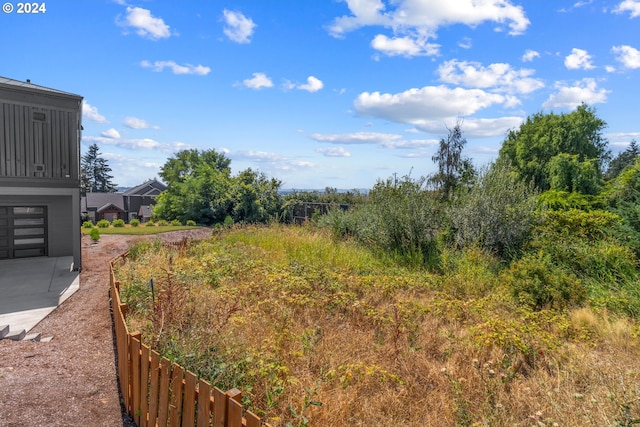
pixel 39 171
pixel 136 202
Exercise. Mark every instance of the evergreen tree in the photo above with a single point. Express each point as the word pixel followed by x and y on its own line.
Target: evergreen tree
pixel 622 160
pixel 94 174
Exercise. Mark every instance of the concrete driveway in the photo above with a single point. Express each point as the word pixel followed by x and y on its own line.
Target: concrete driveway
pixel 31 288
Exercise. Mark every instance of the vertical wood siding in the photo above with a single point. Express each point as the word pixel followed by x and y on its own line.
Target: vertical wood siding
pixel 26 143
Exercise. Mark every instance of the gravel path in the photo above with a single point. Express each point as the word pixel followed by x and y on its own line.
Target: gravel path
pixel 71 381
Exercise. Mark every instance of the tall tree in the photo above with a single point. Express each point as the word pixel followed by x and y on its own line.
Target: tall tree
pixel 452 167
pixel 94 174
pixel 623 160
pixel 198 187
pixel 531 148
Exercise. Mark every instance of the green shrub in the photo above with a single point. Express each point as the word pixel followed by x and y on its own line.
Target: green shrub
pixel 162 223
pixel 191 223
pixel 497 213
pixel 537 282
pixel 87 225
pixel 134 222
pixel 150 224
pixel 103 223
pixel 228 221
pixel 95 234
pixel 400 218
pixel 176 222
pixel 118 223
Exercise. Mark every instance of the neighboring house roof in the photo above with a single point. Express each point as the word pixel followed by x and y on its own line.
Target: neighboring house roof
pixel 28 85
pixel 145 211
pixel 100 200
pixel 109 207
pixel 150 188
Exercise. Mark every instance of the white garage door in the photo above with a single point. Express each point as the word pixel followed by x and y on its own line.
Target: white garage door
pixel 23 231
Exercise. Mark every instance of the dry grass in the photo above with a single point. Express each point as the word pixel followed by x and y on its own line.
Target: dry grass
pixel 295 320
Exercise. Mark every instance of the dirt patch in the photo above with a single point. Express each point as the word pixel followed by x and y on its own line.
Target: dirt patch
pixel 71 381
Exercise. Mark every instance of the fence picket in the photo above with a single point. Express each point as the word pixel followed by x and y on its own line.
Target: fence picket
pixel 144 386
pixel 189 404
pixel 135 375
pixel 204 410
pixel 163 404
pixel 219 408
pixel 175 408
pixel 234 413
pixel 153 394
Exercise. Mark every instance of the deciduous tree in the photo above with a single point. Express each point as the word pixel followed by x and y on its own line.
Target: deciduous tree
pixel 531 148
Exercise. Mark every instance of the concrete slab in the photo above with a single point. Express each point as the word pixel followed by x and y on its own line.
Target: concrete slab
pixel 31 288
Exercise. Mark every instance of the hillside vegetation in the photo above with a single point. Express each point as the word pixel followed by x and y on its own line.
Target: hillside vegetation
pixel 504 295
pixel 296 320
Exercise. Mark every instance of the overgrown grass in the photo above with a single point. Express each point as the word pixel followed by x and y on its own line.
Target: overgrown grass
pixel 291 316
pixel 128 230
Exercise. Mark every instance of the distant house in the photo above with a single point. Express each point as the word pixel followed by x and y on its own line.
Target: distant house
pixel 136 203
pixel 39 171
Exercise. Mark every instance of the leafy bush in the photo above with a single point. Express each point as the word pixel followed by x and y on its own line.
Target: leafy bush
pixel 400 217
pixel 162 223
pixel 191 223
pixel 150 224
pixel 118 223
pixel 176 222
pixel 95 234
pixel 87 225
pixel 134 222
pixel 536 281
pixel 497 213
pixel 103 223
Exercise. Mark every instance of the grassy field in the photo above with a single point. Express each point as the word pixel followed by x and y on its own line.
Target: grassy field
pixel 323 333
pixel 127 229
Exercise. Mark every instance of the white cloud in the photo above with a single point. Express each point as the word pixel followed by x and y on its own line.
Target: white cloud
pixel 502 77
pixel 333 152
pixel 578 59
pixel 530 55
pixel 610 69
pixel 465 43
pixel 627 56
pixel 473 127
pixel 90 112
pixel 423 18
pixel 111 133
pixel 145 24
pixel 404 46
pixel 585 90
pixel 137 144
pixel 388 140
pixel 632 6
pixel 272 161
pixel 136 123
pixel 313 84
pixel 238 27
pixel 158 66
pixel 258 81
pixel 414 106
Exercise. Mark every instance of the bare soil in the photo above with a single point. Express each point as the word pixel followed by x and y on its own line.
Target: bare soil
pixel 71 380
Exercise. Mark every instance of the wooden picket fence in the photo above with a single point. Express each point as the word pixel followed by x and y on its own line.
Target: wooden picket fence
pixel 157 392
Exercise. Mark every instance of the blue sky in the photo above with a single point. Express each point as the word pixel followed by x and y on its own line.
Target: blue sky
pixel 325 93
